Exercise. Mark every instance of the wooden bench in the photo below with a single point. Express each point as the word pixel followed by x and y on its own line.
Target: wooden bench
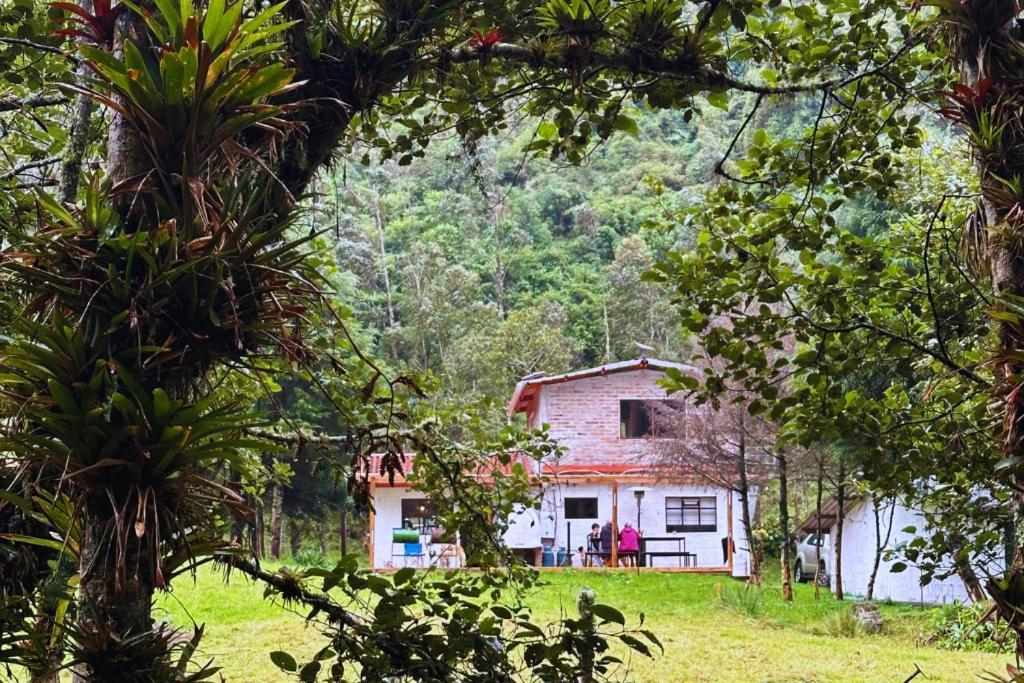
pixel 685 559
pixel 606 556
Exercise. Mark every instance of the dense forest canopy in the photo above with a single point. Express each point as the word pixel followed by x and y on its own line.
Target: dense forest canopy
pixel 484 252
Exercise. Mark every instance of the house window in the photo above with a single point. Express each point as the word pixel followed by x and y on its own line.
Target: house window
pixel 634 419
pixel 646 417
pixel 581 508
pixel 691 514
pixel 418 513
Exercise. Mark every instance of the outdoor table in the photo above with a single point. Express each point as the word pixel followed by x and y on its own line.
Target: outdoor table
pixel 680 552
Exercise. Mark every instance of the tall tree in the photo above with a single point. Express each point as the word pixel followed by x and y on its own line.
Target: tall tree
pixel 723 447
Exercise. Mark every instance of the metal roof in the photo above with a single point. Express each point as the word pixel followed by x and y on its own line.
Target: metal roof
pixel 527 387
pixel 829 512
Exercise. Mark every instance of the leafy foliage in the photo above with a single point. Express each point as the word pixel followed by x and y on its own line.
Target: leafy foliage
pixel 448 627
pixel 966 628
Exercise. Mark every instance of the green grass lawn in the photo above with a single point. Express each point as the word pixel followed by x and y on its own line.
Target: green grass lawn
pixel 705 640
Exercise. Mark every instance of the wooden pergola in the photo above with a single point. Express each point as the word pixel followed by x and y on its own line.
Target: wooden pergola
pixel 631 476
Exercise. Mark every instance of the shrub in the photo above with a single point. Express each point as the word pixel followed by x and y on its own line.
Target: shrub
pixel 745 599
pixel 966 628
pixel 311 557
pixel 841 623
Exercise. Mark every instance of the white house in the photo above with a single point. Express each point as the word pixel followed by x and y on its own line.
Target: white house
pixel 599 415
pixel 859 546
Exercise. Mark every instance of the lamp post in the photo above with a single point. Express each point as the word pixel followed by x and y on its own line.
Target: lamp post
pixel 638 494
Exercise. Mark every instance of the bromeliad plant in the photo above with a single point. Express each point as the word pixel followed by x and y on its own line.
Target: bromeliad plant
pixel 97 419
pixel 170 270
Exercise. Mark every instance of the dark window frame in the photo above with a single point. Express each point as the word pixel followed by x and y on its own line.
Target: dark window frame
pixel 707 514
pixel 425 517
pixel 590 500
pixel 635 417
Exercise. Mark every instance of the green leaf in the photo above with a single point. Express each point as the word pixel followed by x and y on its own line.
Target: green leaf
pixel 608 613
pixel 806 358
pixel 719 99
pixel 635 644
pixel 310 670
pixel 625 123
pixel 283 660
pixel 404 575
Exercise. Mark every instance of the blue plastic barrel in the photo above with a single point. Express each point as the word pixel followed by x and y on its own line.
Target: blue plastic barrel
pixel 561 557
pixel 547 557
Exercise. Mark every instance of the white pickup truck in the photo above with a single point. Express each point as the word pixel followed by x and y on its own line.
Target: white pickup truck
pixel 806 554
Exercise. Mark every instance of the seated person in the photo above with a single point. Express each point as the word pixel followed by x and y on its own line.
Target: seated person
pixel 607 531
pixel 594 546
pixel 629 545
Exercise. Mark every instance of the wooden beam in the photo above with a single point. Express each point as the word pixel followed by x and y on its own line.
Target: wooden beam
pixel 373 522
pixel 653 570
pixel 615 523
pixel 610 479
pixel 729 542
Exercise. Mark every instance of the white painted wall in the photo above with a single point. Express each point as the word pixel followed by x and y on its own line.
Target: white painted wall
pixel 859 556
pixel 707 545
pixel 524 529
pixel 388 511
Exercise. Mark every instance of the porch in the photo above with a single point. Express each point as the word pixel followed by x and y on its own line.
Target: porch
pixel 686 527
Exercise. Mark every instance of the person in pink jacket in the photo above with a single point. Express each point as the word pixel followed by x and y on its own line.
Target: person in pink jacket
pixel 629 545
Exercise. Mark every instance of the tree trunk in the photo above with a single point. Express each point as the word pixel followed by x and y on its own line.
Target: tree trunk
pixel 984 50
pixel 817 515
pixel 607 334
pixel 870 594
pixel 880 543
pixel 379 220
pixel 126 156
pixel 78 138
pixel 258 531
pixel 294 536
pixel 499 266
pixel 787 570
pixel 966 572
pixel 48 677
pixel 343 517
pixel 748 526
pixel 840 514
pixel 276 521
pixel 321 541
pixel 343 531
pixel 113 595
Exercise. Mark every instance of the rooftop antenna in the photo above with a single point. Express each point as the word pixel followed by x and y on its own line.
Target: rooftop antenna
pixel 644 349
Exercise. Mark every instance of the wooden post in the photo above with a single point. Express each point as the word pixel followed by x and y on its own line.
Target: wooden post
pixel 615 523
pixel 373 522
pixel 728 542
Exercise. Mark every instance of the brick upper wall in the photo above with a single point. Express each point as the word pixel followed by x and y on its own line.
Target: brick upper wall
pixel 583 416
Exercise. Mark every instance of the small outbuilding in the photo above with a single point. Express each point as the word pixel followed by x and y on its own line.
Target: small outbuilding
pixel 898 524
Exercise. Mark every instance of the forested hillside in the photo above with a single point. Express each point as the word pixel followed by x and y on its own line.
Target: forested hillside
pixel 483 264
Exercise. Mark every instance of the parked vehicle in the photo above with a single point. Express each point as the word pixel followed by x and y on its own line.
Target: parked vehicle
pixel 807 553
